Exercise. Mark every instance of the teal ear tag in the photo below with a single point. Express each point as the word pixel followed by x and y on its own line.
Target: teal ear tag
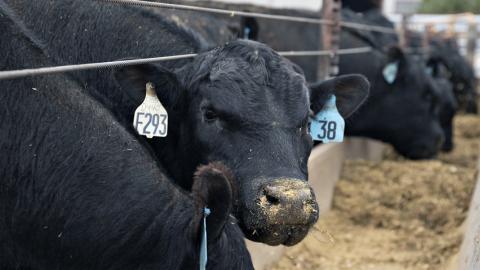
pixel 390 72
pixel 328 125
pixel 429 71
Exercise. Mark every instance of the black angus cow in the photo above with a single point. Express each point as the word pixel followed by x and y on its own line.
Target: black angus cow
pixel 78 191
pixel 445 52
pixel 442 51
pixel 447 110
pixel 403 113
pixel 240 103
pixel 448 104
pixel 422 60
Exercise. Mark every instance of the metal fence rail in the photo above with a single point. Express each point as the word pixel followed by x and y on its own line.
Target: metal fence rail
pixel 12 74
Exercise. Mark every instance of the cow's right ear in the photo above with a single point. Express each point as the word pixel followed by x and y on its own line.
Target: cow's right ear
pixel 351 91
pixel 213 188
pixel 250 28
pixel 395 63
pixel 133 80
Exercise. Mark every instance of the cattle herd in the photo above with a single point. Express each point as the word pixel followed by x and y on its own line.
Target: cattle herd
pixel 81 189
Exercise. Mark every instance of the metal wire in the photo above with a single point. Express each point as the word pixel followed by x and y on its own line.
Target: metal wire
pixel 233 13
pixel 327 52
pixel 12 74
pixel 367 27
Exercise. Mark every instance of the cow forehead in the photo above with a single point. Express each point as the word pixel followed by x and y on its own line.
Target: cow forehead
pixel 259 99
pixel 250 79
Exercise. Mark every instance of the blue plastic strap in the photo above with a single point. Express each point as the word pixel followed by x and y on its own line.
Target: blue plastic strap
pixel 203 244
pixel 328 125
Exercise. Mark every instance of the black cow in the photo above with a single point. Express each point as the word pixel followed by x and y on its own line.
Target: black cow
pixel 413 125
pixel 78 191
pixel 448 104
pixel 403 113
pixel 240 103
pixel 447 110
pixel 419 58
pixel 460 73
pixel 441 51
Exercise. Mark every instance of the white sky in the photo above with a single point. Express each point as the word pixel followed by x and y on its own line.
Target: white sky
pixel 299 4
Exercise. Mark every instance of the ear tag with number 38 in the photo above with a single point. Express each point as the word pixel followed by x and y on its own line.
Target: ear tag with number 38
pixel 151 118
pixel 328 125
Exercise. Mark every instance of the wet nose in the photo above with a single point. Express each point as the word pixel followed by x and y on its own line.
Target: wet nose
pixel 289 201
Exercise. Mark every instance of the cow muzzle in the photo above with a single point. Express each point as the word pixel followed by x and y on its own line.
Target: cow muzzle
pixel 283 213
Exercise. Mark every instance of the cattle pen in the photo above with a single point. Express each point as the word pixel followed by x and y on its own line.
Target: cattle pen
pixel 414 212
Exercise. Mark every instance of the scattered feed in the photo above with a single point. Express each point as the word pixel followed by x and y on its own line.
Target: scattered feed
pixel 395 214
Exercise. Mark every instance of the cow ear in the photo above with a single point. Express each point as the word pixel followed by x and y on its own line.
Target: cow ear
pixel 213 186
pixel 250 28
pixel 351 91
pixel 395 62
pixel 395 53
pixel 132 79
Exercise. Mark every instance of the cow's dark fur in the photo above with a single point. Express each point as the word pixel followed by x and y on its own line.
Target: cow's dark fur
pixel 240 103
pixel 461 74
pixel 77 191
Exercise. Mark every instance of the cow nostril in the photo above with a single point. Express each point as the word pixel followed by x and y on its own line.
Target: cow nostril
pixel 272 195
pixel 272 200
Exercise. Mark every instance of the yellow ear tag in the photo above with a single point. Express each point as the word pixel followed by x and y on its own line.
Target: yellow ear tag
pixel 151 118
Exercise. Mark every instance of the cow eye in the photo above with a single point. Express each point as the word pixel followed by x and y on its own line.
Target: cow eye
pixel 210 115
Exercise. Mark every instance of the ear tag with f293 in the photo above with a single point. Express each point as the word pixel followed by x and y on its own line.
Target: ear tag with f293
pixel 151 118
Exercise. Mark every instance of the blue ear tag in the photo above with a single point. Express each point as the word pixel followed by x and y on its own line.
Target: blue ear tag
pixel 328 125
pixel 429 71
pixel 203 244
pixel 246 32
pixel 390 72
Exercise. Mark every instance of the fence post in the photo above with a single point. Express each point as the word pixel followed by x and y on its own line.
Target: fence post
pixel 330 37
pixel 472 39
pixel 404 33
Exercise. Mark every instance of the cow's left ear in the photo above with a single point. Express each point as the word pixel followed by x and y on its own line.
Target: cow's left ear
pixel 351 91
pixel 213 189
pixel 133 80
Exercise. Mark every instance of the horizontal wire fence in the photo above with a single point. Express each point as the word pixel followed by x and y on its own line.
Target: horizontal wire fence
pixel 233 13
pixel 12 74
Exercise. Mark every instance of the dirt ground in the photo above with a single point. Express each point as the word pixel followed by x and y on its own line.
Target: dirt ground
pixel 395 214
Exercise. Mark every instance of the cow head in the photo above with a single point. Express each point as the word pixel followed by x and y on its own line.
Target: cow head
pixel 448 105
pixel 460 72
pixel 403 107
pixel 246 106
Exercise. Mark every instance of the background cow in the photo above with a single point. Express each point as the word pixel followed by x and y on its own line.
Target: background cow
pixel 403 113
